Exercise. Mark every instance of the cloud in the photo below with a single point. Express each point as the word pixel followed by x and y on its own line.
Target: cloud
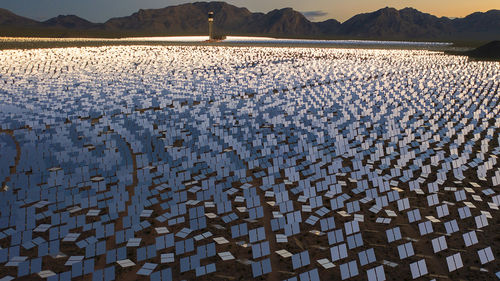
pixel 314 14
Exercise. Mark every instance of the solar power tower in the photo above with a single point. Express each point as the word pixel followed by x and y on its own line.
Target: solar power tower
pixel 210 26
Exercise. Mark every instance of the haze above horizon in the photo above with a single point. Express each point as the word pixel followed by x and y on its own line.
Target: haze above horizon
pixel 314 10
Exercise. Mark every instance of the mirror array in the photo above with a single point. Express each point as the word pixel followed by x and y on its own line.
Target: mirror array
pixel 231 163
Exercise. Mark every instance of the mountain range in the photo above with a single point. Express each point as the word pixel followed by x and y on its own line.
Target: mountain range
pixel 191 19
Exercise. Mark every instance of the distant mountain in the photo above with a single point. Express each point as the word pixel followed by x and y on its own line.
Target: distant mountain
pixel 393 24
pixel 191 19
pixel 284 21
pixel 7 18
pixel 182 19
pixel 479 25
pixel 330 26
pixel 70 22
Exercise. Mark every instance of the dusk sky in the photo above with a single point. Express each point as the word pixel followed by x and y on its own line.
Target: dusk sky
pixel 315 10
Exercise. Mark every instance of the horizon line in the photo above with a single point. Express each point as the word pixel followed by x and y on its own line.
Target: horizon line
pixel 301 12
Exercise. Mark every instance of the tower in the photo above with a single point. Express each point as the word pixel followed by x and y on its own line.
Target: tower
pixel 210 25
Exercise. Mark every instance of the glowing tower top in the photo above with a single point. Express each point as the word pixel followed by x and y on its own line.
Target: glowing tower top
pixel 210 26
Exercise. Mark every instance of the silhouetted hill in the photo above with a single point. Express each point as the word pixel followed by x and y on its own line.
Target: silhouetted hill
pixel 330 26
pixel 282 22
pixel 490 51
pixel 183 19
pixel 479 25
pixel 393 24
pixel 191 19
pixel 7 18
pixel 409 23
pixel 71 22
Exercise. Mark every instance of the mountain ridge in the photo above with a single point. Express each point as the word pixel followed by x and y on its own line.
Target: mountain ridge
pixel 191 19
pixel 70 22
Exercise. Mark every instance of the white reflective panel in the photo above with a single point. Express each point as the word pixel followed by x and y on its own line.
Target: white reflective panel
pixel 405 250
pixel 439 244
pixel 376 274
pixel 470 238
pixel 485 255
pixel 425 227
pixel 454 262
pixel 153 146
pixel 325 263
pixel 481 221
pixel 418 269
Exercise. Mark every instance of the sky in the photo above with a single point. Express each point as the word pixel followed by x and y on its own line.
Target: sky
pixel 315 10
